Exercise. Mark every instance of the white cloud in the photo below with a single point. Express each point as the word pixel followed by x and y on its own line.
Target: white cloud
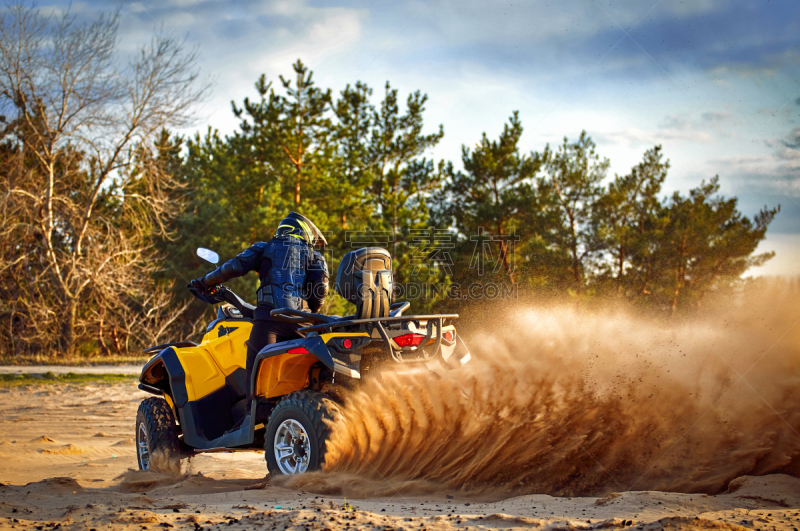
pixel 674 127
pixel 774 174
pixel 716 118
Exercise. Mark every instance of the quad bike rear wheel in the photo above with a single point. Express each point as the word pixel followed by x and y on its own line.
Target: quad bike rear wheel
pixel 157 446
pixel 297 433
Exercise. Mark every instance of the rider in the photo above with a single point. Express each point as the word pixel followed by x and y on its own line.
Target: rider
pixel 293 275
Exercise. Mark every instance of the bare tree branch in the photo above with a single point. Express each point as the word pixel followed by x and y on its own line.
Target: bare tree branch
pixel 82 191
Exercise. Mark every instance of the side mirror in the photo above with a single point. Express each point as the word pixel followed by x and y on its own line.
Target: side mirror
pixel 208 255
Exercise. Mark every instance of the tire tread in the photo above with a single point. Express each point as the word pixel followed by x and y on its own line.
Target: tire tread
pixel 320 409
pixel 161 430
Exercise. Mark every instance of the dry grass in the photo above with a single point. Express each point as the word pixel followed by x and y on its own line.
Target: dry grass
pixel 72 361
pixel 48 378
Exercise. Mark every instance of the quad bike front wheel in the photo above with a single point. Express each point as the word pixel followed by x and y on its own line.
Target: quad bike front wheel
pixel 157 447
pixel 297 433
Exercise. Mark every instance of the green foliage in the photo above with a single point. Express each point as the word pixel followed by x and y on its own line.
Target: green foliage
pixel 101 217
pixel 628 225
pixel 402 183
pixel 358 171
pixel 574 235
pixel 573 184
pixel 706 240
pixel 544 223
pixel 494 193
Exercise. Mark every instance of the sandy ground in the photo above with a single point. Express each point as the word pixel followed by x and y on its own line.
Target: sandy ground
pixel 67 454
pixel 59 369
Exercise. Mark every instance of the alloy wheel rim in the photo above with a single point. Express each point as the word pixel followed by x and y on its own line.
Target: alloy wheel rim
pixel 292 447
pixel 143 447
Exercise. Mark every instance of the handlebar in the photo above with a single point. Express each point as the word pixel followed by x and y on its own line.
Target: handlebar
pixel 247 309
pixel 222 293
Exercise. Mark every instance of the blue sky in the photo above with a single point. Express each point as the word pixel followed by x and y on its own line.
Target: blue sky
pixel 717 83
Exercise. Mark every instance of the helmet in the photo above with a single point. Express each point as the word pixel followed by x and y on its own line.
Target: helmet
pixel 298 226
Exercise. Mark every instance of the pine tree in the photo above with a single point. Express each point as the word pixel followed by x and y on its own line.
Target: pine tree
pixel 402 180
pixel 354 173
pixel 573 180
pixel 706 243
pixel 627 222
pixel 494 192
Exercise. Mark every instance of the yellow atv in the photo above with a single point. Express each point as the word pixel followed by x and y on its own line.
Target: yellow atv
pixel 200 388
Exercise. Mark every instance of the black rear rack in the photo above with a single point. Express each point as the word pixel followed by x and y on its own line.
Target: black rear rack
pixel 341 322
pixel 369 325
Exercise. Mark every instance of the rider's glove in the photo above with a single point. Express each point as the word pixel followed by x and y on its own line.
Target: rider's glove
pixel 199 284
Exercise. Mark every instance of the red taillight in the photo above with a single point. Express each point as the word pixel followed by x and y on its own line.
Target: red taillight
pixel 298 350
pixel 347 343
pixel 448 335
pixel 409 340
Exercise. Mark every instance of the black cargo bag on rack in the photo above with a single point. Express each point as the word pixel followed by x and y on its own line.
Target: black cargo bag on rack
pixel 365 279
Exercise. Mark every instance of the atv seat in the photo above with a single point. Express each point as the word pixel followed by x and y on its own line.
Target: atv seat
pixel 365 279
pixel 290 315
